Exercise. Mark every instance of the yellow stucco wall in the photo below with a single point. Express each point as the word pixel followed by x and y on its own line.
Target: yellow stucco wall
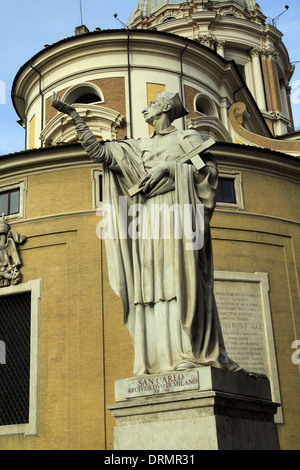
pixel 268 243
pixel 32 132
pixel 152 90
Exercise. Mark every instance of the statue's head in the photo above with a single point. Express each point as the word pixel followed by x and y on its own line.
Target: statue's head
pixel 4 227
pixel 165 102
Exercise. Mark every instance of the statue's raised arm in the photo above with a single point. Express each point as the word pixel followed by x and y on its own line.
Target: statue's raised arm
pixel 96 151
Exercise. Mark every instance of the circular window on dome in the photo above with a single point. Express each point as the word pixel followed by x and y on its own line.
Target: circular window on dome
pixel 86 93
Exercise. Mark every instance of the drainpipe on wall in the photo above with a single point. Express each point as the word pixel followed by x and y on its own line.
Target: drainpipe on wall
pixel 22 122
pixel 42 98
pixel 181 78
pixel 129 82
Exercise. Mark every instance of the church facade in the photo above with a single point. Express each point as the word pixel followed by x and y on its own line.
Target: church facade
pixel 64 342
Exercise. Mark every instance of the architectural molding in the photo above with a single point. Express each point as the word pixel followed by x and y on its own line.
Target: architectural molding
pixel 242 157
pixel 209 126
pixel 102 121
pixel 254 215
pixel 74 92
pixel 236 118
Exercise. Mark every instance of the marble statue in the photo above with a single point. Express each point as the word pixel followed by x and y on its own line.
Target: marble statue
pixel 9 257
pixel 165 282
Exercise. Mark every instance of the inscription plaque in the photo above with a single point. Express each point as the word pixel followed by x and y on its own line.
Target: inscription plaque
pixel 242 323
pixel 245 317
pixel 171 382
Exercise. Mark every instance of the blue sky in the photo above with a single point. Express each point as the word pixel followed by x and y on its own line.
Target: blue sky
pixel 27 25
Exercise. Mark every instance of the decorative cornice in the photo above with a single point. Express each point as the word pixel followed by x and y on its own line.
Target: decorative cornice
pixel 236 117
pixel 209 126
pixel 99 118
pixel 72 156
pixel 231 10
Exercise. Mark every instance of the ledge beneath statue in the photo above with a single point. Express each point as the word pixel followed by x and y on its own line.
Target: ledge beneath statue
pixel 196 409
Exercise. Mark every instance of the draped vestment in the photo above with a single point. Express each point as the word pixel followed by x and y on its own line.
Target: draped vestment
pixel 165 280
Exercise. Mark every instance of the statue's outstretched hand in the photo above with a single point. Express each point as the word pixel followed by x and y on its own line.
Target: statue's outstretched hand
pixel 61 105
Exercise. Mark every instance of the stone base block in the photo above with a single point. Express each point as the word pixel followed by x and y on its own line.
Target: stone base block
pixel 198 409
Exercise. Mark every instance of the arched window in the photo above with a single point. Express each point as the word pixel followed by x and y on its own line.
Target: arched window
pixel 205 106
pixel 86 93
pixel 88 98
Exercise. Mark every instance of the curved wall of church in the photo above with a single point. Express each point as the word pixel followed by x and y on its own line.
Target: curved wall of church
pixel 122 72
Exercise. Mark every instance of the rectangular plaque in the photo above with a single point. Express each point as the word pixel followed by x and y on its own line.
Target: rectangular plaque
pixel 244 312
pixel 166 383
pixel 242 323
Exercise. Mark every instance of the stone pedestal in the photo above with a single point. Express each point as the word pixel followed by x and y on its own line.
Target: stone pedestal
pixel 198 409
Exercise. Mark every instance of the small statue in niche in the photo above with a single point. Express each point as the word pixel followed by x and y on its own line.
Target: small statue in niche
pixel 9 256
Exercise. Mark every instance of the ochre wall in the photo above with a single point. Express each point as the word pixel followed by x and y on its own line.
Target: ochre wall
pixel 249 243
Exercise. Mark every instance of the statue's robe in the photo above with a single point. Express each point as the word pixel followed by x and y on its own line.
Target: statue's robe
pixel 165 282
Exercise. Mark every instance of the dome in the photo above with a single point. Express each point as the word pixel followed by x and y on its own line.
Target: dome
pixel 148 7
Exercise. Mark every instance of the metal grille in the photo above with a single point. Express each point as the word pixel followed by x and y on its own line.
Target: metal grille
pixel 15 316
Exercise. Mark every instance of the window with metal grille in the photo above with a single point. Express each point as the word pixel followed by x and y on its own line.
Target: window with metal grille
pixel 226 190
pixel 10 202
pixel 15 321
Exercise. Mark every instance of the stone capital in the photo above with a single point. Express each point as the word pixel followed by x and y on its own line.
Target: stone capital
pixel 220 42
pixel 256 51
pixel 270 53
pixel 267 52
pixel 207 40
pixel 284 83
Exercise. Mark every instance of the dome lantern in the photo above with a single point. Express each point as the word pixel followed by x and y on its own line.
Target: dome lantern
pixel 147 8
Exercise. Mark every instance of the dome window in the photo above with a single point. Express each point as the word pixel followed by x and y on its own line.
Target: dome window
pixel 85 93
pixel 170 18
pixel 205 106
pixel 88 98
